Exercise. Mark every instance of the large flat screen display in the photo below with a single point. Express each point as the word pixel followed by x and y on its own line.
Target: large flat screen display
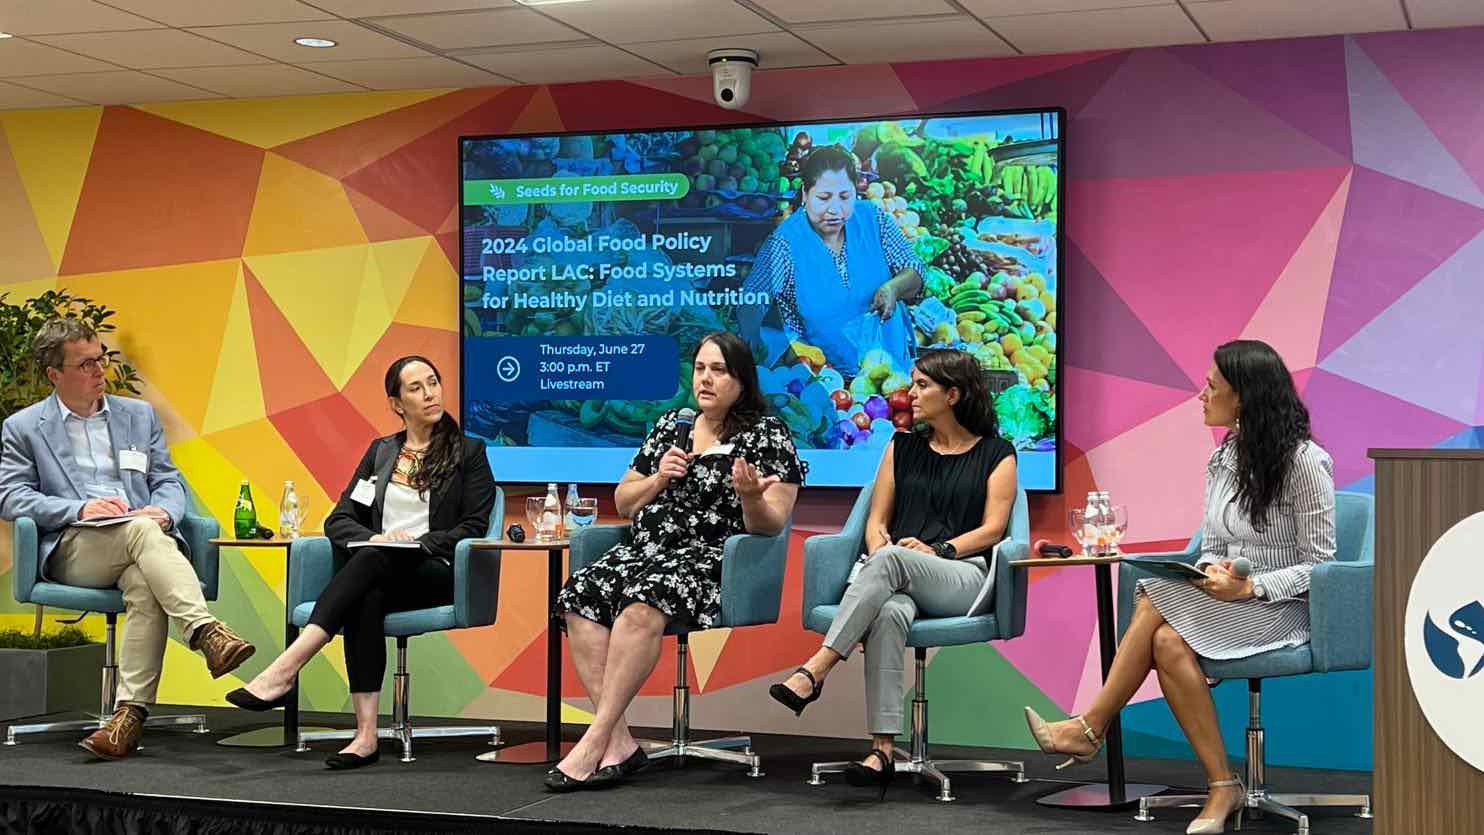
pixel 593 264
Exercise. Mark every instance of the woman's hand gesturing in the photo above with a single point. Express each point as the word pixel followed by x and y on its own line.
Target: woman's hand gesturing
pixel 747 482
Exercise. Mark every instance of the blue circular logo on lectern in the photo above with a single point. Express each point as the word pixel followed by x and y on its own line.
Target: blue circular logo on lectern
pixel 1442 646
pixel 1444 638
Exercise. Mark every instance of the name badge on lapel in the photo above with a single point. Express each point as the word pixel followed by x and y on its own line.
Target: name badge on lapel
pixel 717 449
pixel 364 492
pixel 133 459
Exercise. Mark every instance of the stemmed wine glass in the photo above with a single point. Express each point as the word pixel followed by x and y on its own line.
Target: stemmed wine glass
pixel 1119 526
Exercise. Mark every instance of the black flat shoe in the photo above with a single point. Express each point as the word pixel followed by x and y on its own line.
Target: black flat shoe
pixel 344 761
pixel 610 775
pixel 247 701
pixel 557 780
pixel 866 777
pixel 793 701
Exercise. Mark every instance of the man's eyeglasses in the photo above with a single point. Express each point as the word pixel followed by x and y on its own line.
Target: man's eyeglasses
pixel 91 364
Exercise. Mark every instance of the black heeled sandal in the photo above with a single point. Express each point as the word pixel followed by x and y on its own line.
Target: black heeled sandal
pixel 793 701
pixel 866 777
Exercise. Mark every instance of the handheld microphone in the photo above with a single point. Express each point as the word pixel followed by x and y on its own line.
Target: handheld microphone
pixel 685 420
pixel 1241 568
pixel 1050 549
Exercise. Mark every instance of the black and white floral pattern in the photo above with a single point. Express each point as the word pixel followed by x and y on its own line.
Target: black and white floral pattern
pixel 672 559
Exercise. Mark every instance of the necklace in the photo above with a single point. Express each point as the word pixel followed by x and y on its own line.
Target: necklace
pixel 943 449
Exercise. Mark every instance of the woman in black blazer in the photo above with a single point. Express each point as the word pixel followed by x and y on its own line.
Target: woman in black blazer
pixel 419 491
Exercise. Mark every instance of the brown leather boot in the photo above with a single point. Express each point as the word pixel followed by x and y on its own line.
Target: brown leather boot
pixel 120 736
pixel 224 651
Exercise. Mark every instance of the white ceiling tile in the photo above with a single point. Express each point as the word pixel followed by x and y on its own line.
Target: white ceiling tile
pixel 1429 14
pixel 815 11
pixel 1241 20
pixel 276 40
pixel 776 50
pixel 148 48
pixel 18 58
pixel 1111 29
pixel 558 66
pixel 220 12
pixel 876 42
pixel 17 98
pixel 410 73
pixel 378 8
pixel 41 17
pixel 633 21
pixel 120 87
pixel 264 80
pixel 465 30
pixel 1009 8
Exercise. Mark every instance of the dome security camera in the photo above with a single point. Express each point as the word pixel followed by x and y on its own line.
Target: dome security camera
pixel 731 76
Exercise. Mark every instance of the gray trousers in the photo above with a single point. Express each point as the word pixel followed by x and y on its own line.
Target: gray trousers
pixel 893 586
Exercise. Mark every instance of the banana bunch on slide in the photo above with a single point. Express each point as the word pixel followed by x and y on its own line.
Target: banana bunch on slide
pixel 1034 186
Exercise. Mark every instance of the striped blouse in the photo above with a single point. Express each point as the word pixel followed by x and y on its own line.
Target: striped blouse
pixel 1299 533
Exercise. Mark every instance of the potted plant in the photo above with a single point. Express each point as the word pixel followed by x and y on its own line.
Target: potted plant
pixel 52 673
pixel 23 381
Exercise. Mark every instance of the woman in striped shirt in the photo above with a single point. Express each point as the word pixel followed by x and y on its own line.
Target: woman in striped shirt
pixel 1269 498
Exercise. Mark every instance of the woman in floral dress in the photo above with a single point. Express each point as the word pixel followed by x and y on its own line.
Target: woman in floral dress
pixel 739 474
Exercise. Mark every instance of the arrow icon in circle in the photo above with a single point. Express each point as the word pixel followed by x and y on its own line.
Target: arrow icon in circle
pixel 508 368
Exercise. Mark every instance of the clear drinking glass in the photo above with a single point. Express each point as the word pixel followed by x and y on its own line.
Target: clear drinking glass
pixel 1084 533
pixel 584 513
pixel 1120 525
pixel 535 506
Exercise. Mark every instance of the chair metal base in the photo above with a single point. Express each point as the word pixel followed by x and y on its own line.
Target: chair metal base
pixel 918 763
pixel 404 735
pixel 1260 803
pixel 93 724
pixel 935 770
pixel 401 729
pixel 1259 800
pixel 724 749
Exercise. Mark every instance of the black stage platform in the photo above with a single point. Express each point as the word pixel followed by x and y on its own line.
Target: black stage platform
pixel 183 782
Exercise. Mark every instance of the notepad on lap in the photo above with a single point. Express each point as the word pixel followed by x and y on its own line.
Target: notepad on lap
pixel 100 521
pixel 1171 569
pixel 365 543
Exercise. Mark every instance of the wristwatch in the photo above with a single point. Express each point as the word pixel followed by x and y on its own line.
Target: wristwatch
pixel 1259 592
pixel 945 550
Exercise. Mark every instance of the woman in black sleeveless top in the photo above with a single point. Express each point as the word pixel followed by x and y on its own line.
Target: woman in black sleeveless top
pixel 941 503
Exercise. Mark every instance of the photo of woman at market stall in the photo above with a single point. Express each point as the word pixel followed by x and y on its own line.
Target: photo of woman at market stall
pixel 834 261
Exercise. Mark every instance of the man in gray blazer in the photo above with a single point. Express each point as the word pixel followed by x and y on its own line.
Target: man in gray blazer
pixel 82 454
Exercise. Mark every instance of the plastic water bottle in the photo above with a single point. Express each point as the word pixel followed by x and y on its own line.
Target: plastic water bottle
pixel 245 517
pixel 288 512
pixel 569 520
pixel 551 514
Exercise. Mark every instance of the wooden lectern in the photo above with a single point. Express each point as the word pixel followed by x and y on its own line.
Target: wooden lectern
pixel 1420 785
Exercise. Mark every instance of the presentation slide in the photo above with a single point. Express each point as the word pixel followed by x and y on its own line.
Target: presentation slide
pixel 593 264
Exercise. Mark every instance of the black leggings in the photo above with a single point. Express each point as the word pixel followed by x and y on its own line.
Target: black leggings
pixel 372 583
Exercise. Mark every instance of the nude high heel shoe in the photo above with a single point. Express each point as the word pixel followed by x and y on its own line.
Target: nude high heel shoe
pixel 1214 826
pixel 1041 731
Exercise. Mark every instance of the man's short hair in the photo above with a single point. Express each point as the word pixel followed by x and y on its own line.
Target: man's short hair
pixel 50 345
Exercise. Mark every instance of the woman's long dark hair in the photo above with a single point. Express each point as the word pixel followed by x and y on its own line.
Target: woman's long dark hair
pixel 950 368
pixel 446 447
pixel 750 406
pixel 1273 422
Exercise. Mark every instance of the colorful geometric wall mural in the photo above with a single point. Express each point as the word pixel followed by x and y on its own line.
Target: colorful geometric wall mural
pixel 269 257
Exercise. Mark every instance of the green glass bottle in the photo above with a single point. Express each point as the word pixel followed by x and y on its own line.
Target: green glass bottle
pixel 245 519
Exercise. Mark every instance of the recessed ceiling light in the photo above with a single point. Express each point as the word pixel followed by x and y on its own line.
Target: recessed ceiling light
pixel 317 43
